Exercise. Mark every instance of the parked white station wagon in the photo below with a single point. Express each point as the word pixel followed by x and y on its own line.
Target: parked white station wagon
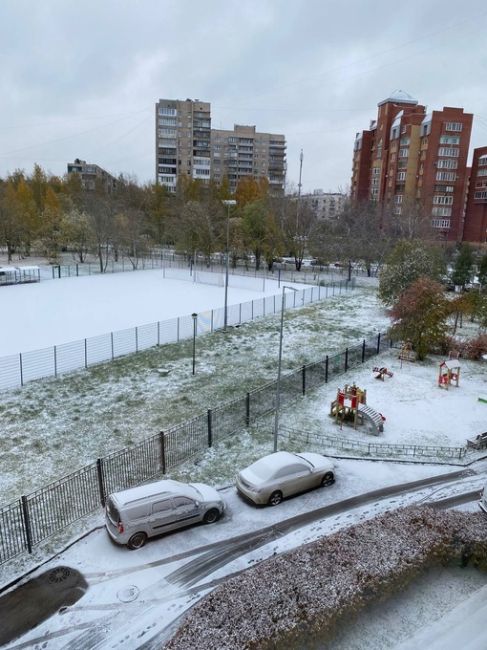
pixel 282 474
pixel 147 510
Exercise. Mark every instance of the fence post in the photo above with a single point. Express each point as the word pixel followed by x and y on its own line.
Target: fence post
pixel 21 370
pixel 319 291
pixel 27 526
pixel 113 347
pixel 346 359
pixel 240 314
pixel 247 410
pixel 326 369
pixel 101 481
pixel 158 333
pixel 86 353
pixel 55 361
pixel 136 338
pixel 252 310
pixel 363 350
pixel 211 327
pixel 210 428
pixel 378 343
pixel 177 330
pixel 77 270
pixel 163 451
pixel 303 376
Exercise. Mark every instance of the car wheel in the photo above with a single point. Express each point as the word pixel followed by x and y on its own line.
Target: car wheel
pixel 328 479
pixel 211 516
pixel 137 541
pixel 275 498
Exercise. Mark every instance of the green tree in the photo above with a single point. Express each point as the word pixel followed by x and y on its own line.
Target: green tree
pixel 254 228
pixel 482 274
pixel 408 261
pixel 463 268
pixel 420 314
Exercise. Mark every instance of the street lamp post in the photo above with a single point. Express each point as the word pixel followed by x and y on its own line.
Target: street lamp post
pixel 228 203
pixel 195 319
pixel 278 384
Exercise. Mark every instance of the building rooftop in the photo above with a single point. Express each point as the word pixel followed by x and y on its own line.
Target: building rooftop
pixel 399 96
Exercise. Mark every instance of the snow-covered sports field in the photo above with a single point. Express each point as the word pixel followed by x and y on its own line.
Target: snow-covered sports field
pixel 53 312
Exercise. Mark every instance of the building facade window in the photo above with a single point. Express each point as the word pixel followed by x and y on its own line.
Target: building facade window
pixel 446 176
pixel 403 153
pixel 453 126
pixel 450 139
pixel 441 212
pixel 401 176
pixel 448 151
pixel 447 164
pixel 164 110
pixel 441 223
pixel 442 200
pixel 480 195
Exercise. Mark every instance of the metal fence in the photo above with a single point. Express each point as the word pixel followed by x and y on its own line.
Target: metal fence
pixel 37 516
pixel 18 369
pixel 324 441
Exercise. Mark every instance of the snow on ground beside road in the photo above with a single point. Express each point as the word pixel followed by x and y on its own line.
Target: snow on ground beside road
pixel 461 627
pixel 112 571
pixel 60 311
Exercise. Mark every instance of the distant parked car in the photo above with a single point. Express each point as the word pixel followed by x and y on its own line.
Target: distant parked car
pixel 483 499
pixel 282 474
pixel 138 513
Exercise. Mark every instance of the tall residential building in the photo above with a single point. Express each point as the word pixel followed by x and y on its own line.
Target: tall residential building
pixel 475 226
pixel 324 205
pixel 91 174
pixel 245 152
pixel 186 146
pixel 408 154
pixel 182 141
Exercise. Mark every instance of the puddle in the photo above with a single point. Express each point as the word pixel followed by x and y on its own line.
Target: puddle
pixel 37 599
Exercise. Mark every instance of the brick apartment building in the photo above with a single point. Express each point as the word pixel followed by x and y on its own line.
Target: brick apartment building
pixel 475 226
pixel 186 145
pixel 408 154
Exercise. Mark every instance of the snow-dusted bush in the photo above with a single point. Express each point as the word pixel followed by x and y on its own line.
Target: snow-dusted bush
pixel 306 591
pixel 468 349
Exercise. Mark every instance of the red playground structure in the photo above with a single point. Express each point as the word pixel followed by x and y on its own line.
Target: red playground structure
pixel 350 405
pixel 382 372
pixel 449 374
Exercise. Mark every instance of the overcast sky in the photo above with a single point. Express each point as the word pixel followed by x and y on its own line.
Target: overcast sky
pixel 80 79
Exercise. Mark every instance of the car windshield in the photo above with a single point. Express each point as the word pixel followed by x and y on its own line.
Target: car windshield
pixel 197 494
pixel 262 468
pixel 308 462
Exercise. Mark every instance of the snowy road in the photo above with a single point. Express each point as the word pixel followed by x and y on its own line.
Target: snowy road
pixel 137 605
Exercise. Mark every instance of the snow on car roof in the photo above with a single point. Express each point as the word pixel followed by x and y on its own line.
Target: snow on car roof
pixel 274 461
pixel 150 489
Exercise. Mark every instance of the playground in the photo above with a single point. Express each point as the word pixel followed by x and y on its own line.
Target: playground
pixel 412 402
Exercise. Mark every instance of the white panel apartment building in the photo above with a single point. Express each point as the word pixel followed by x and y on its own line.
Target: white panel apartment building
pixel 182 141
pixel 187 146
pixel 325 205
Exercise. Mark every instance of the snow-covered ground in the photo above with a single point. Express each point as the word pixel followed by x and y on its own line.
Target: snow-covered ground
pixel 415 409
pixel 47 313
pixel 170 573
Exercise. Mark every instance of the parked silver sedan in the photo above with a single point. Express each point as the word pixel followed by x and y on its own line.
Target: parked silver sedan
pixel 282 474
